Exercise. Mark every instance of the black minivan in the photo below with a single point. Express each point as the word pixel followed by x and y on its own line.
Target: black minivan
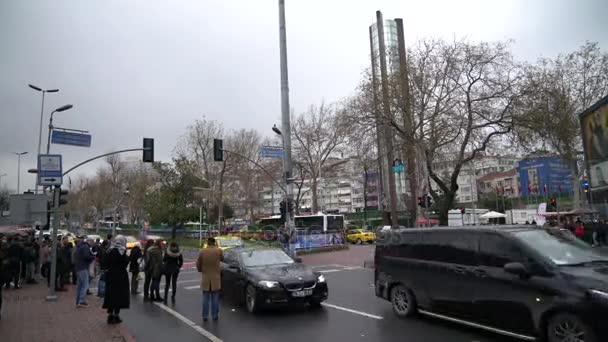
pixel 523 282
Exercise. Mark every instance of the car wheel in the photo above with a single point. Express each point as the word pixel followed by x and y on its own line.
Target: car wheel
pixel 359 241
pixel 403 300
pixel 315 304
pixel 566 327
pixel 250 299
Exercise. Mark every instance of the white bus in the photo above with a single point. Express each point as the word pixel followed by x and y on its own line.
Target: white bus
pixel 321 222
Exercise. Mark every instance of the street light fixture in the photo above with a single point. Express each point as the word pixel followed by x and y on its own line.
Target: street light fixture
pixel 19 154
pixel 276 130
pixel 60 109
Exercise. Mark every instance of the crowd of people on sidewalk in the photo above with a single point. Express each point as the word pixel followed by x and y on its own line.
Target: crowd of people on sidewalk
pixel 23 258
pixel 594 232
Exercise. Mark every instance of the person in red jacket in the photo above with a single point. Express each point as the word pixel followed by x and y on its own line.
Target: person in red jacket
pixel 579 229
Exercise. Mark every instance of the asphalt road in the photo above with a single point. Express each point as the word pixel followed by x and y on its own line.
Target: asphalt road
pixel 352 313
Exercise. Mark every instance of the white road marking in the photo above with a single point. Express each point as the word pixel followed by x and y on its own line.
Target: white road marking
pixel 188 322
pixel 192 287
pixel 331 271
pixel 356 312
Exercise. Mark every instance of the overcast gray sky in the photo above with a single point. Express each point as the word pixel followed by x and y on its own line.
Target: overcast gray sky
pixel 150 68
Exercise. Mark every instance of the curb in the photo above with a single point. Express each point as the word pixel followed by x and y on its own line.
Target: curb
pixel 368 264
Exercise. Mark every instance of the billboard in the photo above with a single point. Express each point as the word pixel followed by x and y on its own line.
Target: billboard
pixel 544 175
pixel 594 124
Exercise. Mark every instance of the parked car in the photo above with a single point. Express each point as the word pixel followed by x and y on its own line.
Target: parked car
pixel 131 241
pixel 269 277
pixel 524 282
pixel 360 236
pixel 153 237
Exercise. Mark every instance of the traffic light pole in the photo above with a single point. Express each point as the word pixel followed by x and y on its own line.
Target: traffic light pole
pixel 52 296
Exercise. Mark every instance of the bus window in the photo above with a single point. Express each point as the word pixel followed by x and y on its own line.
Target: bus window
pixel 309 222
pixel 335 222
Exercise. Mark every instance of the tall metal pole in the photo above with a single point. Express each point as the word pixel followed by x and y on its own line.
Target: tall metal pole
pixel 52 296
pixel 40 131
pixel 285 119
pixel 18 172
pixel 200 227
pixel 379 148
pixel 48 138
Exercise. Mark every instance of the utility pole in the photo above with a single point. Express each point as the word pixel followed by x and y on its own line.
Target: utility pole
pixel 378 124
pixel 388 136
pixel 285 119
pixel 52 296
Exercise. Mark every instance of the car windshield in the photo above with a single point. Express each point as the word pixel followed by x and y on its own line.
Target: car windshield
pixel 230 242
pixel 256 258
pixel 560 246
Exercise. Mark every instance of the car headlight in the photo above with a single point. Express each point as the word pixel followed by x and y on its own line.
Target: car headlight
pixel 321 279
pixel 268 284
pixel 600 295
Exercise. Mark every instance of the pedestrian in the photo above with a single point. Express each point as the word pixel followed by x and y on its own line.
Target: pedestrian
pixel 603 228
pixel 173 261
pixel 15 255
pixel 29 259
pixel 154 264
pixel 147 271
pixel 83 259
pixel 117 280
pixel 579 229
pixel 72 250
pixel 4 268
pixel 208 263
pixel 134 262
pixel 45 258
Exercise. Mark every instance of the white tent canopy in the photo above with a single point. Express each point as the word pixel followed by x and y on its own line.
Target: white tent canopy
pixel 492 214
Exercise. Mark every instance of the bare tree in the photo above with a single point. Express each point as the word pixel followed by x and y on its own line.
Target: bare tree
pixel 140 180
pixel 560 90
pixel 316 134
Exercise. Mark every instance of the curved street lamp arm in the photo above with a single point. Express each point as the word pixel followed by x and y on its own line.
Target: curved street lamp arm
pixel 260 166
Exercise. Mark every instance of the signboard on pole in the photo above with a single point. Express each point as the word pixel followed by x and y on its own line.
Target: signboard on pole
pixel 50 170
pixel 272 152
pixel 71 138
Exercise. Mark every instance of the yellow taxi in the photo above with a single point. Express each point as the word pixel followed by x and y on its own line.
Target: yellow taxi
pixel 360 236
pixel 131 242
pixel 227 241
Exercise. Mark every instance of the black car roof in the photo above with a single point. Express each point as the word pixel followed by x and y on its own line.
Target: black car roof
pixel 503 228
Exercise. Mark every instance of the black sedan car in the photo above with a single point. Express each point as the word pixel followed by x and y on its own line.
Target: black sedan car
pixel 269 277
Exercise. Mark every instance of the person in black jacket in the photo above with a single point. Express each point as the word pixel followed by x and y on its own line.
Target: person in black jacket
pixel 15 254
pixel 134 260
pixel 173 261
pixel 117 280
pixel 148 273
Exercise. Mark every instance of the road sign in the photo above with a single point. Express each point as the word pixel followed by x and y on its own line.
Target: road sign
pixel 272 152
pixel 49 169
pixel 399 168
pixel 71 138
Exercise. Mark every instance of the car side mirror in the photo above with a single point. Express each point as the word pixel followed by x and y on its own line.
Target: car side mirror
pixel 517 268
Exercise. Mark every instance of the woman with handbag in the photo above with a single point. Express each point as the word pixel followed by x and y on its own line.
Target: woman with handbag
pixel 135 260
pixel 117 280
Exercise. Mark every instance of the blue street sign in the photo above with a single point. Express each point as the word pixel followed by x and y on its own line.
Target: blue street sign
pixel 50 170
pixel 71 138
pixel 399 168
pixel 271 152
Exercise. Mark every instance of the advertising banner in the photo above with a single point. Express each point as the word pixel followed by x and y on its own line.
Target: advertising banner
pixel 594 123
pixel 309 240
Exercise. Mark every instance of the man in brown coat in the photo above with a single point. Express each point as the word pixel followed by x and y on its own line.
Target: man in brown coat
pixel 208 263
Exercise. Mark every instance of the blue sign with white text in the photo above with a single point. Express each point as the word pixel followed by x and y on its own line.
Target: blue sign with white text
pixel 271 152
pixel 71 138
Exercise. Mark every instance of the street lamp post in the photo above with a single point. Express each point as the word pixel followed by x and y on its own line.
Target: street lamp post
pixel 43 91
pixel 60 109
pixel 2 175
pixel 200 220
pixel 19 154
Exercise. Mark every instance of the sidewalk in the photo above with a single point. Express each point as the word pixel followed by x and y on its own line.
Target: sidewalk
pixel 27 316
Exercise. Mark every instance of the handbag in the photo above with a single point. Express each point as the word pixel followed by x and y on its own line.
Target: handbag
pixel 101 285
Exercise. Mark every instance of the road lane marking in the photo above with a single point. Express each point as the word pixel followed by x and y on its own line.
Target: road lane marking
pixel 188 322
pixel 356 312
pixel 192 287
pixel 331 270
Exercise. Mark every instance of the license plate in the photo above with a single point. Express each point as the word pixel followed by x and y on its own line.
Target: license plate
pixel 302 293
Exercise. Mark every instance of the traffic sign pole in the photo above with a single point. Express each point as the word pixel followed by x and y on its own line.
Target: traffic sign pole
pixel 56 224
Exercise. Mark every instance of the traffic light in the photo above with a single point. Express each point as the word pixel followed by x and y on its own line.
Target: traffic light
pixel 63 201
pixel 553 202
pixel 429 200
pixel 586 185
pixel 218 150
pixel 421 201
pixel 283 211
pixel 462 210
pixel 148 150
